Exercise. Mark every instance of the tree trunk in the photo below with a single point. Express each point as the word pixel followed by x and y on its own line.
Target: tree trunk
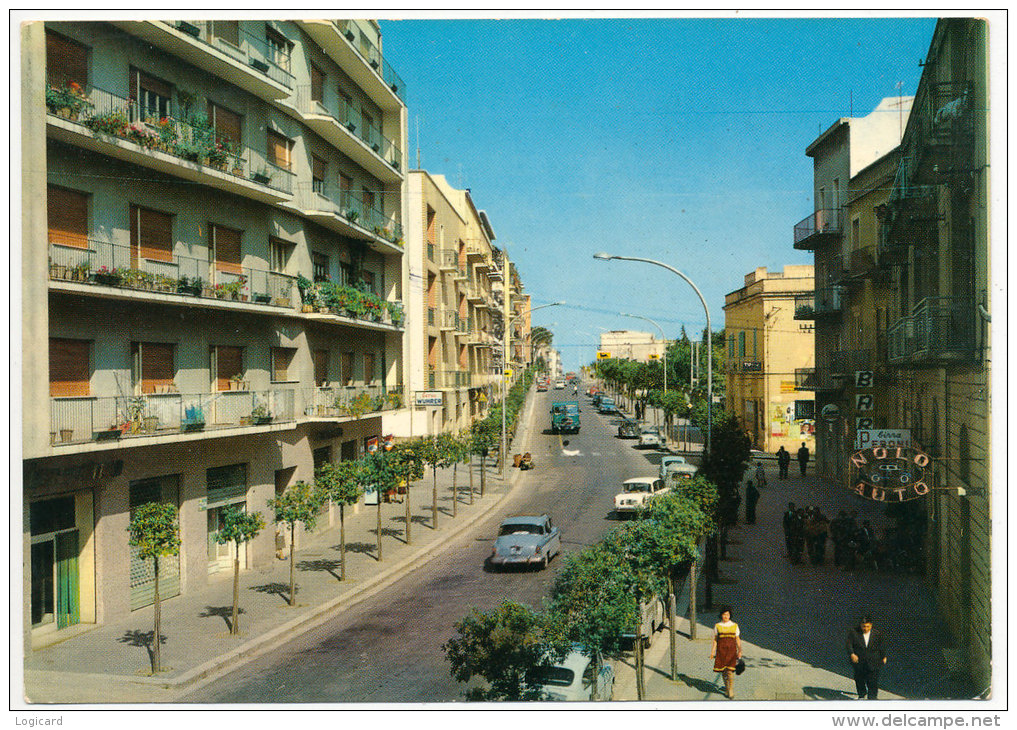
pixel 640 680
pixel 407 510
pixel 672 619
pixel 455 497
pixel 595 695
pixel 483 474
pixel 379 524
pixel 471 478
pixel 692 601
pixel 293 584
pixel 156 656
pixel 342 542
pixel 434 507
pixel 235 625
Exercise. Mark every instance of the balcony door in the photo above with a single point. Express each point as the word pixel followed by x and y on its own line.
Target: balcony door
pixel 151 236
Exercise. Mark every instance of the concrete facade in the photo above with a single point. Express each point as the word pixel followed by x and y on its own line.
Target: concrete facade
pixel 311 191
pixel 765 348
pixel 632 345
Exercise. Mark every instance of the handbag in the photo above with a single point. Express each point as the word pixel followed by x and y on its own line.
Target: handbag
pixel 740 666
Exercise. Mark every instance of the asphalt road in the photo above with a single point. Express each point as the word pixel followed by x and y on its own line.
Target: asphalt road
pixel 388 648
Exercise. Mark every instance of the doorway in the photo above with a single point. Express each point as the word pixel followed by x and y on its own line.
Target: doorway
pixel 54 564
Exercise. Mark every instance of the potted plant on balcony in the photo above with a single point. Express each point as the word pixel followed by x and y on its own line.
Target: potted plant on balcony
pixel 260 415
pixel 262 298
pixel 66 434
pixel 395 399
pixel 262 176
pixel 395 311
pixel 351 215
pixel 81 271
pixel 107 276
pixel 187 28
pixel 190 286
pixel 67 100
pixel 151 423
pixel 236 381
pixel 259 65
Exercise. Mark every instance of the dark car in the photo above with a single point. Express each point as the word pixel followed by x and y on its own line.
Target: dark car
pixel 596 399
pixel 628 429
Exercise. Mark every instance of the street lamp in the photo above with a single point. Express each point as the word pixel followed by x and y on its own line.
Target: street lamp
pixel 504 360
pixel 709 333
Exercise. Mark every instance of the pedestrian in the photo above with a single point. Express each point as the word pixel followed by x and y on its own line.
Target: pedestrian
pixel 726 649
pixel 783 460
pixel 838 533
pixel 803 457
pixel 867 653
pixel 787 520
pixel 798 535
pixel 760 474
pixel 751 497
pixel 820 531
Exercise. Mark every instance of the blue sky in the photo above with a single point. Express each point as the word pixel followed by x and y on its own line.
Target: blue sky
pixel 681 140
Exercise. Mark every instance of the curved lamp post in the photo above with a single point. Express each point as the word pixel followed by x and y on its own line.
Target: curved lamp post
pixel 504 362
pixel 709 333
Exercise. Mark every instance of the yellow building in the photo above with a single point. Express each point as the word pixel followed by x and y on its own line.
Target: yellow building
pixel 765 349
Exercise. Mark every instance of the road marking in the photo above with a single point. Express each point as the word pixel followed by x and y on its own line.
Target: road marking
pixel 595 453
pixel 571 453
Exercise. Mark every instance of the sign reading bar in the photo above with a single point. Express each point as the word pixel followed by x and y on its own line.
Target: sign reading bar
pixel 428 398
pixel 867 438
pixel 890 474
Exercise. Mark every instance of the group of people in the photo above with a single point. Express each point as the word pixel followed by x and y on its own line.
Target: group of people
pixel 784 460
pixel 807 529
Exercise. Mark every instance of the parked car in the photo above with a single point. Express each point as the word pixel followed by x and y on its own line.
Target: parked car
pixel 574 679
pixel 667 460
pixel 541 386
pixel 606 405
pixel 526 540
pixel 596 399
pixel 650 436
pixel 628 429
pixel 559 384
pixel 636 492
pixel 651 619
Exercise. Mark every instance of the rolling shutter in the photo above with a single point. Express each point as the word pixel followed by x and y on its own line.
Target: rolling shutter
pixel 227 30
pixel 229 361
pixel 151 234
pixel 68 367
pixel 278 150
pixel 317 83
pixel 346 368
pixel 142 572
pixel 282 361
pixel 226 242
pixel 318 168
pixel 66 61
pixel 68 217
pixel 368 368
pixel 226 484
pixel 320 367
pixel 227 124
pixel 156 365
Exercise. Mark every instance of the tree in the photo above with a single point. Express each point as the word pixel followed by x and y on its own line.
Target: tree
pixel 407 458
pixel 504 647
pixel 383 472
pixel 299 503
pixel 238 527
pixel 155 533
pixel 435 453
pixel 338 482
pixel 483 436
pixel 726 461
pixel 459 452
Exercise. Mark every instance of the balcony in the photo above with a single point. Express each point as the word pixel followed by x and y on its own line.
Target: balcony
pixel 347 129
pixel 820 304
pixel 186 279
pixel 816 379
pixel 112 125
pixel 463 324
pixel 360 59
pixel 344 213
pixel 940 330
pixel 341 402
pixel 254 64
pixel 85 419
pixel 457 379
pixel 820 228
pixel 944 116
pixel 448 260
pixel 344 304
pixel 847 362
pixel 449 320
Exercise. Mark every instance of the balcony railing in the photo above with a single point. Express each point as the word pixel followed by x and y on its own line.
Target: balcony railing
pixel 448 260
pixel 326 198
pixel 345 401
pixel 458 378
pixel 108 114
pixel 449 319
pixel 815 228
pixel 943 114
pixel 372 55
pixel 353 121
pixel 821 303
pixel 115 265
pixel 252 51
pixel 940 329
pixel 83 419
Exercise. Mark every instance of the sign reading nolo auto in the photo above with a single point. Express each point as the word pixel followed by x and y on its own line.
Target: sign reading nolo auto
pixel 890 474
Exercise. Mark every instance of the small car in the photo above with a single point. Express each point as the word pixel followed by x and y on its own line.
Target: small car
pixel 575 678
pixel 668 460
pixel 650 436
pixel 637 492
pixel 596 399
pixel 606 405
pixel 628 429
pixel 526 540
pixel 541 387
pixel 559 385
pixel 675 467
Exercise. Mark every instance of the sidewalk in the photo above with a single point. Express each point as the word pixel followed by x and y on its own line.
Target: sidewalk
pixel 111 663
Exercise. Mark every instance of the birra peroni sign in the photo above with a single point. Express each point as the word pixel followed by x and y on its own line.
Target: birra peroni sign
pixel 891 473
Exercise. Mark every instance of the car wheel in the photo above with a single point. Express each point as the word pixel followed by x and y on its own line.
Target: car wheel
pixel 547 559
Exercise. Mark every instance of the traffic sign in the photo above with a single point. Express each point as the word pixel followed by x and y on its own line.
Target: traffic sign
pixel 603 355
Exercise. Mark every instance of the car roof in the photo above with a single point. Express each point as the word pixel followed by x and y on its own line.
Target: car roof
pixel 640 480
pixel 672 459
pixel 524 520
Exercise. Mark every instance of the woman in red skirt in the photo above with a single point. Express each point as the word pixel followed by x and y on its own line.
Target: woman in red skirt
pixel 726 649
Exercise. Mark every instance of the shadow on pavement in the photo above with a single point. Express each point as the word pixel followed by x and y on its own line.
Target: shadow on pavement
pixel 142 639
pixel 363 548
pixel 825 693
pixel 322 564
pixel 701 684
pixel 279 589
pixel 223 612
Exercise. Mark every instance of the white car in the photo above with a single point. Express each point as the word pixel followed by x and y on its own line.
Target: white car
pixel 637 493
pixel 559 385
pixel 575 678
pixel 650 436
pixel 676 467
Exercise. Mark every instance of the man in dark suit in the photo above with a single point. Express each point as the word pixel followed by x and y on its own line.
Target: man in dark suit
pixel 867 652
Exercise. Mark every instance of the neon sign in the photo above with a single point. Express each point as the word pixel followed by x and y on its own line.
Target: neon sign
pixel 890 473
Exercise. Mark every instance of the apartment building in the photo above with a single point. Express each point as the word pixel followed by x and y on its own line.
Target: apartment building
pixel 632 345
pixel 212 284
pixel 455 319
pixel 765 348
pixel 518 305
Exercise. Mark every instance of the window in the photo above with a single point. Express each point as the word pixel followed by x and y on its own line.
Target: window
pixel 279 148
pixel 741 344
pixel 317 83
pixel 346 105
pixel 320 367
pixel 282 364
pixel 319 265
pixel 278 49
pixel 855 234
pixel 346 368
pixel 345 273
pixel 151 235
pixel 154 96
pixel 368 199
pixel 66 61
pixel 227 363
pixel 226 249
pixel 68 217
pixel 368 278
pixel 227 124
pixel 368 368
pixel 345 190
pixel 805 410
pixel 321 456
pixel 152 365
pixel 279 252
pixel 69 367
pixel 319 169
pixel 227 30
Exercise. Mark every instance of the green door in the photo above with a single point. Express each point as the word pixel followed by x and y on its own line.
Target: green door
pixel 67 579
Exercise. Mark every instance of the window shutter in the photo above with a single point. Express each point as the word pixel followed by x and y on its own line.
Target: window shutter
pixel 317 83
pixel 66 61
pixel 278 150
pixel 282 360
pixel 346 368
pixel 68 217
pixel 227 30
pixel 156 365
pixel 318 167
pixel 368 368
pixel 320 367
pixel 226 484
pixel 229 361
pixel 152 233
pixel 227 124
pixel 156 86
pixel 227 249
pixel 68 367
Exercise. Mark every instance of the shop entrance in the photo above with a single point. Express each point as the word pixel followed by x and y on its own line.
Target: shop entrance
pixel 55 590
